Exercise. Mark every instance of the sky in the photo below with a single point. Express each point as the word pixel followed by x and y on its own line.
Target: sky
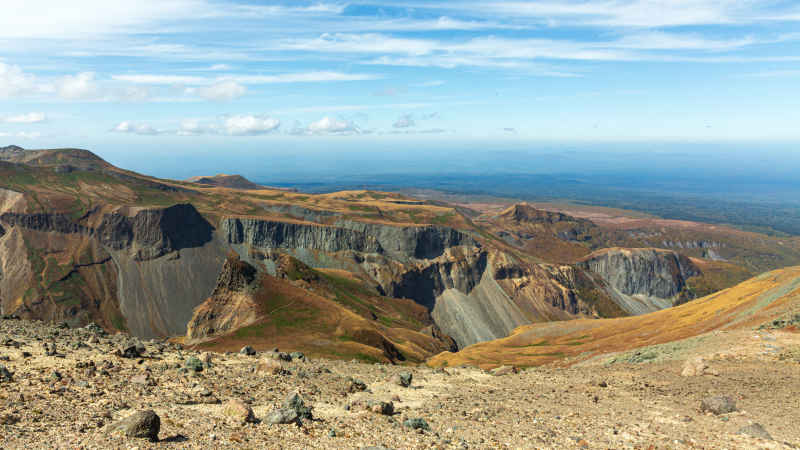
pixel 185 84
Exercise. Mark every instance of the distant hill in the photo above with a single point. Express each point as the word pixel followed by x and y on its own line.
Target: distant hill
pixel 227 181
pixel 66 158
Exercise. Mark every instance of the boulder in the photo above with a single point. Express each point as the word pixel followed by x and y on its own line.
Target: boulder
pixel 417 424
pixel 282 416
pixel 239 412
pixel 142 424
pixel 718 405
pixel 247 350
pixel 295 401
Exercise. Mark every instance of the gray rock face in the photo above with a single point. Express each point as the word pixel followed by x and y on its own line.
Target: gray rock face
pixel 143 424
pixel 397 242
pixel 655 276
pixel 156 232
pixel 272 234
pixel 58 223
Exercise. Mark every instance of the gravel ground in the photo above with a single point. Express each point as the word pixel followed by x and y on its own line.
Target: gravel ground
pixel 69 389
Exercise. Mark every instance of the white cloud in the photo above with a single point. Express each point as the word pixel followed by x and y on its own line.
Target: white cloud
pixel 193 127
pixel 33 117
pixel 250 125
pixel 82 86
pixel 83 18
pixel 159 79
pixel 13 81
pixel 302 77
pixel 404 121
pixel 360 43
pixel 136 128
pixel 220 67
pixel 432 83
pixel 307 77
pixel 626 13
pixel 222 91
pixel 327 125
pixel 22 134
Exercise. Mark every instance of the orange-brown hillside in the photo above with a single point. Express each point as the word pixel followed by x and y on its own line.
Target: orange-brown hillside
pixel 746 305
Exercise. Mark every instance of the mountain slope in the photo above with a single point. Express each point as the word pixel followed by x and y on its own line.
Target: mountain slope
pixel 757 301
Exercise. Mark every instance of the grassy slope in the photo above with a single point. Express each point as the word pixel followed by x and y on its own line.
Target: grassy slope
pixel 748 304
pixel 334 316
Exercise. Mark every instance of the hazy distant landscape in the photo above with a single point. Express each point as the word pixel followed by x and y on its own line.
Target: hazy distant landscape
pixel 756 191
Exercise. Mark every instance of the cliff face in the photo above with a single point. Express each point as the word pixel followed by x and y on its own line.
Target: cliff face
pixel 152 233
pixel 397 242
pixel 643 280
pixel 143 272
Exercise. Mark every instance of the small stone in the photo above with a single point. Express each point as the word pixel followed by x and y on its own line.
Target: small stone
pixel 279 356
pixel 696 367
pixel 356 386
pixel 282 416
pixel 270 366
pixel 239 412
pixel 207 359
pixel 5 375
pixel 756 430
pixel 417 424
pixel 194 364
pixel 8 419
pixel 143 379
pixel 142 424
pixel 402 379
pixel 299 356
pixel 384 408
pixel 131 352
pixel 247 350
pixel 332 433
pixel 718 405
pixel 295 401
pixel 503 370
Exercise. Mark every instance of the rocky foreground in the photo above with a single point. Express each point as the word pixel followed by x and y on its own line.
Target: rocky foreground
pixel 82 388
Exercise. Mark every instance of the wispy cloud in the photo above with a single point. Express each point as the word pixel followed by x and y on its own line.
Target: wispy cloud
pixel 222 91
pixel 302 77
pixel 33 117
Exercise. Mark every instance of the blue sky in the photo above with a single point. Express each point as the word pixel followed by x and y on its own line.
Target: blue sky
pixel 206 77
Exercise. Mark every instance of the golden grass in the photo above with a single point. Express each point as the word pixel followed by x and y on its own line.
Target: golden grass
pixel 746 305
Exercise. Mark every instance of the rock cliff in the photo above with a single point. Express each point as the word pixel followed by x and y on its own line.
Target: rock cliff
pixel 642 280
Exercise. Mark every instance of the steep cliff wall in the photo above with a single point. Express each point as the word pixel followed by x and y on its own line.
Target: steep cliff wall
pixel 642 280
pixel 403 243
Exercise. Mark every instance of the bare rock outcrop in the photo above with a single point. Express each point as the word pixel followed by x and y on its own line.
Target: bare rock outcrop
pixel 230 305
